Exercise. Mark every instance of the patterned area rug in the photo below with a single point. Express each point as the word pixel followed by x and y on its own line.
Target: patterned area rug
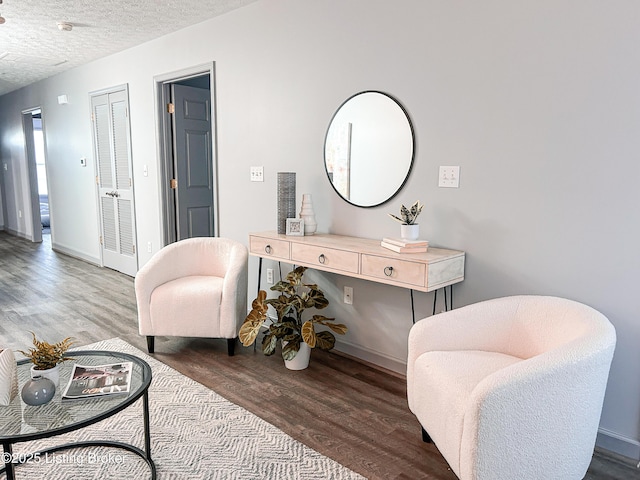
pixel 195 434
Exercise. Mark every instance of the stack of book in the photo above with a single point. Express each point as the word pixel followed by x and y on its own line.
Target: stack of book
pixel 405 246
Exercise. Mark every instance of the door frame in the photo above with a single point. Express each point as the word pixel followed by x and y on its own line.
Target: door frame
pixel 32 171
pixel 162 86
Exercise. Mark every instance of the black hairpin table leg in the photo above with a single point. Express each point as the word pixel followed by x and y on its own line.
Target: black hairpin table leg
pixel 413 311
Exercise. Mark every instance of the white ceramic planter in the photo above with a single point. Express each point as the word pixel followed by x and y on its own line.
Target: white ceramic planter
pixel 410 232
pixel 301 360
pixel 52 374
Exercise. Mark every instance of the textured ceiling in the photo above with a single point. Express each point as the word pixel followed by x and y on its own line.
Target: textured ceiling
pixel 33 48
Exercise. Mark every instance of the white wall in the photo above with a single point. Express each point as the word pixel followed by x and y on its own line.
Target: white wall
pixel 536 101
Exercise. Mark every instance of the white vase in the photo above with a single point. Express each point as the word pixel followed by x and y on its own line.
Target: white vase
pixel 52 374
pixel 301 360
pixel 308 215
pixel 410 232
pixel 8 377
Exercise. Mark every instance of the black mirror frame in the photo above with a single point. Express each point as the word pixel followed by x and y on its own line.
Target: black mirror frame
pixel 413 147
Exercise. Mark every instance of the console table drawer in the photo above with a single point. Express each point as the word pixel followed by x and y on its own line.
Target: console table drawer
pixel 269 247
pixel 391 269
pixel 325 258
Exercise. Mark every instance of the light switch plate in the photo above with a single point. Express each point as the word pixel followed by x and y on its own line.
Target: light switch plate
pixel 257 174
pixel 449 177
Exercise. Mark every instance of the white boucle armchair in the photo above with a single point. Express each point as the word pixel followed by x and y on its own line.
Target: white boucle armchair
pixel 512 388
pixel 194 288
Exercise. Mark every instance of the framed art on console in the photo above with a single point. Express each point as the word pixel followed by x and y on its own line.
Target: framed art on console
pixel 295 226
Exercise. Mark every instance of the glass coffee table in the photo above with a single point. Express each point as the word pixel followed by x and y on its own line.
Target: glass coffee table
pixel 20 422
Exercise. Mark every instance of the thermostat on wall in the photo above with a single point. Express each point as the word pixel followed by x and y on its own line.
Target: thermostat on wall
pixel 83 162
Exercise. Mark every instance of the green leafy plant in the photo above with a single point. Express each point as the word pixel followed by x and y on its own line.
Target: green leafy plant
pixel 45 355
pixel 295 297
pixel 408 216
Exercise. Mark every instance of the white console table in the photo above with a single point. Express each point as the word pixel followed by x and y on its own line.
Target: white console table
pixel 364 258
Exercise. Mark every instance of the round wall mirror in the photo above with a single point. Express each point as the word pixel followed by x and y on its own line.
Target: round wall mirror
pixel 369 149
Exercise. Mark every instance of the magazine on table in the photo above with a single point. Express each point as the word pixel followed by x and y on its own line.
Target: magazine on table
pixel 88 381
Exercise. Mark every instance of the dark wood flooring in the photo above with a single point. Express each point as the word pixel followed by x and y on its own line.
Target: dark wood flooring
pixel 346 410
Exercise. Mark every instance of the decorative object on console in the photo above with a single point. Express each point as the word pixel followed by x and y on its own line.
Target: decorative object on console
pixel 308 215
pixel 286 199
pixel 38 391
pixel 409 230
pixel 295 226
pixel 8 377
pixel 46 357
pixel 400 245
pixel 295 297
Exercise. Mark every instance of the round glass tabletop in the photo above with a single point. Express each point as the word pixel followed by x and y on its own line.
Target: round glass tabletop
pixel 20 422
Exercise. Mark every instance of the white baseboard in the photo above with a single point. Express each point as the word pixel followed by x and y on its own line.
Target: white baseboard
pixel 75 254
pixel 16 233
pixel 360 353
pixel 59 248
pixel 616 443
pixel 372 356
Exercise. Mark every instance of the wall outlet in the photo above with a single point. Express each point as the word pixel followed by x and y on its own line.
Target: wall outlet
pixel 449 177
pixel 348 295
pixel 257 174
pixel 149 247
pixel 270 276
pixel 19 213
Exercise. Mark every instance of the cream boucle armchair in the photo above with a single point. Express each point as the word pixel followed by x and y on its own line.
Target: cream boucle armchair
pixel 194 288
pixel 512 388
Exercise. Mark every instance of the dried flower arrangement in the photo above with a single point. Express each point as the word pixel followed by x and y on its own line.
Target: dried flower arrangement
pixel 45 355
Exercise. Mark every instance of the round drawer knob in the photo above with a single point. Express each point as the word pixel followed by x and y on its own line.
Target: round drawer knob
pixel 268 249
pixel 388 271
pixel 322 259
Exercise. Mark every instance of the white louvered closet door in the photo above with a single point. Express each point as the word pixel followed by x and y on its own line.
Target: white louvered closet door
pixel 110 115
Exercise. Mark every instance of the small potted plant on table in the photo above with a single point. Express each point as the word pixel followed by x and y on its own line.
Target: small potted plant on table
pixel 409 230
pixel 46 357
pixel 298 336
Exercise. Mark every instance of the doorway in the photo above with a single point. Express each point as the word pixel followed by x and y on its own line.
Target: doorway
pixel 41 173
pixel 36 161
pixel 187 146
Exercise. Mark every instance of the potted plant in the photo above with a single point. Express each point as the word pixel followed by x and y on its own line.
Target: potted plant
pixel 46 357
pixel 298 336
pixel 409 230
